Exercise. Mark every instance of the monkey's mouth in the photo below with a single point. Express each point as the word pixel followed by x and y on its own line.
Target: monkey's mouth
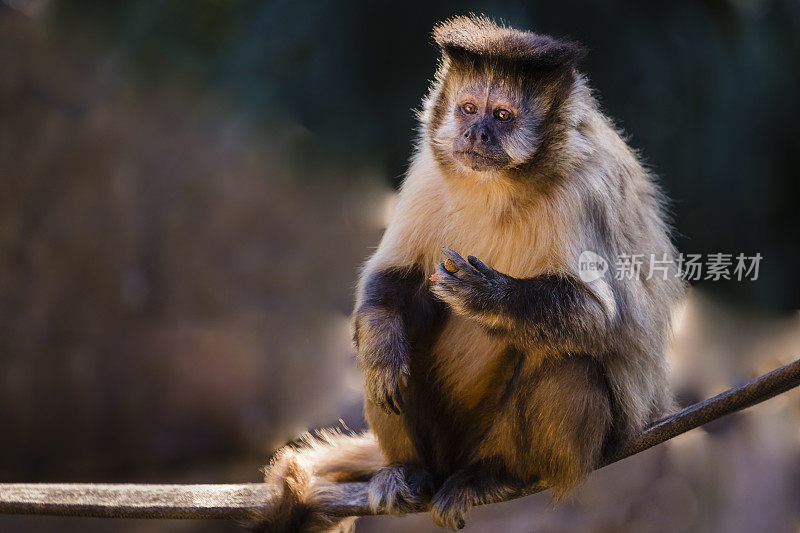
pixel 479 161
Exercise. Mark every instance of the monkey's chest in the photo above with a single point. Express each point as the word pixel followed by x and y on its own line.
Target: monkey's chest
pixel 523 248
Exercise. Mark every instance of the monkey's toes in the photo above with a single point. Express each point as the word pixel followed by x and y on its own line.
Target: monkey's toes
pixel 449 508
pixel 452 519
pixel 395 489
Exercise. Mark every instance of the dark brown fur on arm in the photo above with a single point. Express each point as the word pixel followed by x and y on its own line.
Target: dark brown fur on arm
pixel 556 311
pixel 396 310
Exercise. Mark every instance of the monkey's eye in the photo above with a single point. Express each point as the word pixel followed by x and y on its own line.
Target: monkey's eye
pixel 469 108
pixel 503 114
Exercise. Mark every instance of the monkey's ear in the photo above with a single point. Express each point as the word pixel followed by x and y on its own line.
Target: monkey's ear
pixel 458 53
pixel 557 54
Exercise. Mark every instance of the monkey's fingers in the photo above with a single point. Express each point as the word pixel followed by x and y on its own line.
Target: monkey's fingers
pixel 400 386
pixel 457 260
pixel 386 404
pixel 391 407
pixel 394 400
pixel 481 267
pixel 445 279
pixel 397 400
pixel 391 398
pixel 380 391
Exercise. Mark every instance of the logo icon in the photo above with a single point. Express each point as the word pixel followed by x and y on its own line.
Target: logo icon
pixel 591 266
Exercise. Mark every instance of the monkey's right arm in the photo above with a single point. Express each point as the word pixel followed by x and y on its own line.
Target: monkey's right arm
pixel 394 311
pixel 380 336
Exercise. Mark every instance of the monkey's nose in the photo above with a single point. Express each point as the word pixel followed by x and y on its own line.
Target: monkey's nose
pixel 478 133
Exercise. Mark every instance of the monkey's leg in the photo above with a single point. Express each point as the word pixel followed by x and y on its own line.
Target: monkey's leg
pixel 553 311
pixel 555 423
pixel 481 482
pixel 551 427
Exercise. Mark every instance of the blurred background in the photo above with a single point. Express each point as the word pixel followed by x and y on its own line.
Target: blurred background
pixel 187 190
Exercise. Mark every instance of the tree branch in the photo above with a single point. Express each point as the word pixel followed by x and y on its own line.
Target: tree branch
pixel 243 500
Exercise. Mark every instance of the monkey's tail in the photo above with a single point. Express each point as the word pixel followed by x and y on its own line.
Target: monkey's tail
pixel 303 476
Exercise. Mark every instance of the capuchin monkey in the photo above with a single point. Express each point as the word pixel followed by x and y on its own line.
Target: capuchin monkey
pixel 488 374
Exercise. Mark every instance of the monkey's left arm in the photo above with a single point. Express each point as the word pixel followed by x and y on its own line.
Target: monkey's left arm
pixel 557 311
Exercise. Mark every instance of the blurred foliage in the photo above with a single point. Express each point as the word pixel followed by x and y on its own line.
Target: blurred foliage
pixel 187 188
pixel 164 283
pixel 707 90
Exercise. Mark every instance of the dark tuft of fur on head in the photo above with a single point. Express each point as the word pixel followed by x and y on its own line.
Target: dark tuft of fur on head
pixel 479 37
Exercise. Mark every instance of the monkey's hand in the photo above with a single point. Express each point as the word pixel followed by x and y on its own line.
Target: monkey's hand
pixel 385 384
pixel 470 287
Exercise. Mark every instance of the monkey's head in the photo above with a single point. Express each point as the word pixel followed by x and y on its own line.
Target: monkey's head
pixel 495 95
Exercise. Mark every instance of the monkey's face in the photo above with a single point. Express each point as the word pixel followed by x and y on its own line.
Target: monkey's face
pixel 486 127
pixel 483 118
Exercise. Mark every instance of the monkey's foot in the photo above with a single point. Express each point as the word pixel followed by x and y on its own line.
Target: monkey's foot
pixel 451 504
pixel 399 488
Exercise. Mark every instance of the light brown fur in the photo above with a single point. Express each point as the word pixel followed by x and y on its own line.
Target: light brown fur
pixel 491 400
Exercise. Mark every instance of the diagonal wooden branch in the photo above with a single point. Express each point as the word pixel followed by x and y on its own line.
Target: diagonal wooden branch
pixel 241 501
